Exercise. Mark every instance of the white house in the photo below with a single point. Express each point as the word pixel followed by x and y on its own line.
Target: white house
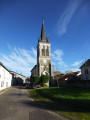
pixel 5 77
pixel 85 70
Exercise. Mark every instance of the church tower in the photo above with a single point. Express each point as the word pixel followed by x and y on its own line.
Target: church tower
pixel 44 54
pixel 44 64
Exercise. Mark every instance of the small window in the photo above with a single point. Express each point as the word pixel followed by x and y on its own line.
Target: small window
pixel 47 52
pixel 42 52
pixel 86 71
pixel 2 84
pixel 6 84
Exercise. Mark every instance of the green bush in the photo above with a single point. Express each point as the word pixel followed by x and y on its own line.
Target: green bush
pixel 34 78
pixel 44 79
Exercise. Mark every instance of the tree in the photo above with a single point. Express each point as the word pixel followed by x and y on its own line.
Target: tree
pixel 44 79
pixel 34 78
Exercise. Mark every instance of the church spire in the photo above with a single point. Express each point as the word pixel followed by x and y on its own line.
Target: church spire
pixel 43 33
pixel 43 37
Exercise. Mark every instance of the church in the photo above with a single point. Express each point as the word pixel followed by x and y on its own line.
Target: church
pixel 44 64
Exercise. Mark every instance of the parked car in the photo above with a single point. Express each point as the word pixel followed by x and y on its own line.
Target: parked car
pixel 32 85
pixel 27 85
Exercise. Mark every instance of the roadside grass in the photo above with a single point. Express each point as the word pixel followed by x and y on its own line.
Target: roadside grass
pixel 71 102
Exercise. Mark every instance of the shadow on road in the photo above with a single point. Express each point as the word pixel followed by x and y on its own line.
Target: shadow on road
pixel 66 105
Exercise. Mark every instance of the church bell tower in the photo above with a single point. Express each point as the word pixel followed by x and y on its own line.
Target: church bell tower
pixel 44 64
pixel 44 54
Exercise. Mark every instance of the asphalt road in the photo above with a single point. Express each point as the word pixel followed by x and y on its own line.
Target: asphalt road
pixel 16 104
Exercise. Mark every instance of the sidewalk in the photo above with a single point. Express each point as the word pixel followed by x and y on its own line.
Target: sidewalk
pixel 4 90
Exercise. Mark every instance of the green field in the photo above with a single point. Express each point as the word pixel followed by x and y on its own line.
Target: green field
pixel 71 102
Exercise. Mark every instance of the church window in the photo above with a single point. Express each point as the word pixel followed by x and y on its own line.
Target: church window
pixel 43 51
pixel 47 51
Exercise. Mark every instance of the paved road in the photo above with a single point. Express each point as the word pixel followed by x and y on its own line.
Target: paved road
pixel 16 104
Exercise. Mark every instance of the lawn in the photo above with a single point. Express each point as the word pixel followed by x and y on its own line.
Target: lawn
pixel 72 102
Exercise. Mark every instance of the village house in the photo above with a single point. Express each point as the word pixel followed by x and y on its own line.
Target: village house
pixel 5 77
pixel 17 79
pixel 85 70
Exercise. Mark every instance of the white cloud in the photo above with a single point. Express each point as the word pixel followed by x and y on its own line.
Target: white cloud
pixel 57 57
pixel 63 63
pixel 22 60
pixel 72 70
pixel 19 60
pixel 34 52
pixel 65 18
pixel 76 63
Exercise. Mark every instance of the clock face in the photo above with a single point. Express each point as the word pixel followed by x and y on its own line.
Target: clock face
pixel 45 61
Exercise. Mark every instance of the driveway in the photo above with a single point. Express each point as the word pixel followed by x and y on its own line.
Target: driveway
pixel 16 104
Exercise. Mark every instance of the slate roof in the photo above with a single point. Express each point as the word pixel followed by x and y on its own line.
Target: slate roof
pixel 86 64
pixel 43 37
pixel 12 72
pixel 34 67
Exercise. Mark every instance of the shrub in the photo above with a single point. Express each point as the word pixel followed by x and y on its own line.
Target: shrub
pixel 34 78
pixel 44 79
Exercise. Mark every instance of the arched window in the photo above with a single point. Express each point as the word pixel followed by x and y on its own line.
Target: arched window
pixel 43 51
pixel 47 51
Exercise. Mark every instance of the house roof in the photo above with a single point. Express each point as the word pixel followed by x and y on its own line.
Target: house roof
pixel 56 73
pixel 86 64
pixel 58 76
pixel 12 72
pixel 67 75
pixel 4 67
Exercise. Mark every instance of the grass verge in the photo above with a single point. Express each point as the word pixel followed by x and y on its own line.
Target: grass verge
pixel 71 102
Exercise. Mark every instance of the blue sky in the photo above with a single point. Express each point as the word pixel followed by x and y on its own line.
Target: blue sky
pixel 67 23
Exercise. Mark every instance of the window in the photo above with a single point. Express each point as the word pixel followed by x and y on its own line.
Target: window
pixel 47 52
pixel 6 84
pixel 42 52
pixel 86 71
pixel 2 84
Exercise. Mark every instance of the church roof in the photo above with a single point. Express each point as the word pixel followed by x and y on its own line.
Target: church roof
pixel 43 33
pixel 34 67
pixel 43 37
